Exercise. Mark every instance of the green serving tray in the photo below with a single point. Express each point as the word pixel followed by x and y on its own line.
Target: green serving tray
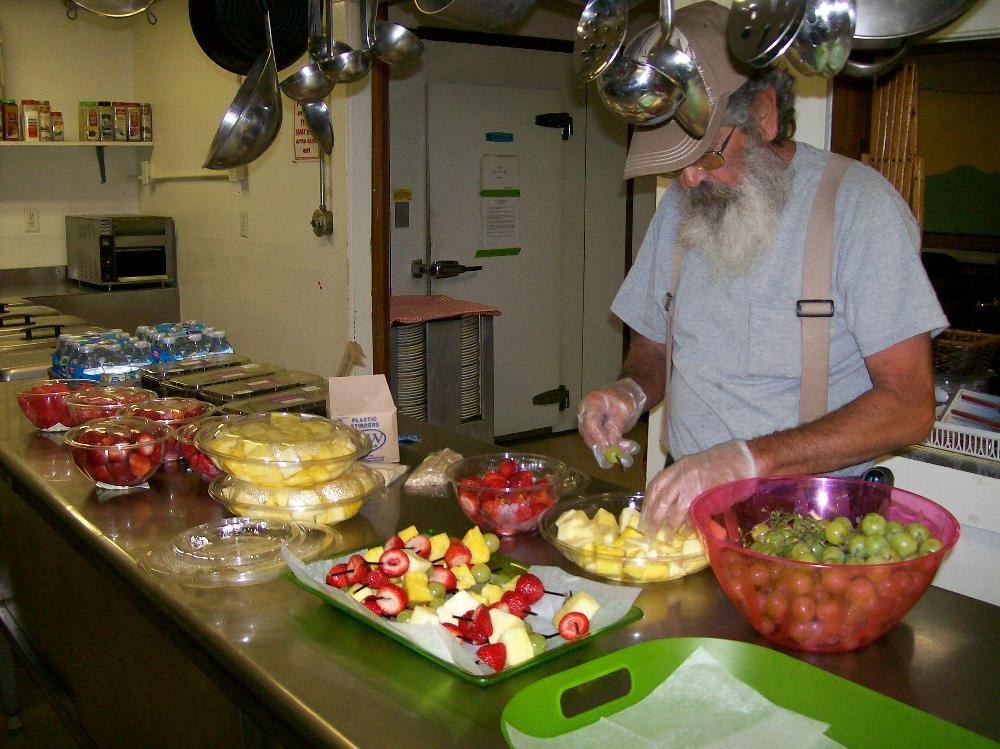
pixel 508 566
pixel 858 717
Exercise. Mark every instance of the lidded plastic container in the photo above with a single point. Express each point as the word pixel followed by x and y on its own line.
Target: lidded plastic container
pixel 230 391
pixel 308 399
pixel 190 385
pixel 154 376
pixel 173 412
pixel 102 401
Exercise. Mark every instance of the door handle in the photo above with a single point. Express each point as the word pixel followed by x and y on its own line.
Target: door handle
pixel 440 268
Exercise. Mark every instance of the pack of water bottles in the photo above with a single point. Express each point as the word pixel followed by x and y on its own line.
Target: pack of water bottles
pixel 190 339
pixel 114 356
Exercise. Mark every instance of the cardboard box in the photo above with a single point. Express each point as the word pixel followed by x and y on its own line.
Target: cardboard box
pixel 365 403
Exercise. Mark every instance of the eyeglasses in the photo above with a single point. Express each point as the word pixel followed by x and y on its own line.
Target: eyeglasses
pixel 712 160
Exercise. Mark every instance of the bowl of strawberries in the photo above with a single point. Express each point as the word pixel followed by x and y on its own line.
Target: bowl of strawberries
pixel 506 493
pixel 174 412
pixel 102 401
pixel 44 403
pixel 118 452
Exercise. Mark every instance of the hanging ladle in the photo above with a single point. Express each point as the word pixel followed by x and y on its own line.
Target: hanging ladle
pixel 253 120
pixel 390 42
pixel 346 65
pixel 599 36
pixel 632 87
pixel 317 117
pixel 322 219
pixel 309 83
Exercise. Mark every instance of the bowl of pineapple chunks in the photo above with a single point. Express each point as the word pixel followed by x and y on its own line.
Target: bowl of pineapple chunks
pixel 290 450
pixel 601 534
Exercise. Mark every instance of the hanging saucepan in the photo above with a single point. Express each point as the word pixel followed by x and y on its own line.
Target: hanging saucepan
pixel 824 39
pixel 115 8
pixel 481 15
pixel 231 32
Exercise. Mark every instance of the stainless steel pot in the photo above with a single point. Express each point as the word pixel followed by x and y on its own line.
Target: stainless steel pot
pixel 886 24
pixel 825 37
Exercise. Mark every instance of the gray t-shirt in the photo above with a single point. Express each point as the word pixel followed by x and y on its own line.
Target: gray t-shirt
pixel 737 342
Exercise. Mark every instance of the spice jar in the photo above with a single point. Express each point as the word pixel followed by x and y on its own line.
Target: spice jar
pixel 134 121
pixel 44 121
pixel 106 117
pixel 147 122
pixel 121 120
pixel 90 123
pixel 10 119
pixel 58 126
pixel 29 119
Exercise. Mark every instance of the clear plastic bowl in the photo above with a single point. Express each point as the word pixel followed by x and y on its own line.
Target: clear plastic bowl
pixel 815 607
pixel 513 506
pixel 173 412
pixel 326 504
pixel 608 552
pixel 119 451
pixel 44 403
pixel 283 449
pixel 102 401
pixel 195 459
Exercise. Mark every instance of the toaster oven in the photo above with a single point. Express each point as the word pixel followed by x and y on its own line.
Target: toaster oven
pixel 121 250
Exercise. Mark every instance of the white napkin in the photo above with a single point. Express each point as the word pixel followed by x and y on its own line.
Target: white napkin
pixel 699 706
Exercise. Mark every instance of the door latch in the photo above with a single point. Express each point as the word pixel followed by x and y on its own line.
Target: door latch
pixel 563 120
pixel 440 268
pixel 558 395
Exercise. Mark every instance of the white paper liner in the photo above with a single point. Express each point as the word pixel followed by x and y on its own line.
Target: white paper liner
pixel 699 706
pixel 615 600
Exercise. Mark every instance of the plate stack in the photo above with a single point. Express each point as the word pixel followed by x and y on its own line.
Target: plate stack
pixel 411 371
pixel 471 369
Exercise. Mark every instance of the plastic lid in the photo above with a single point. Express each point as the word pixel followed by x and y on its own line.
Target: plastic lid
pixel 88 103
pixel 237 551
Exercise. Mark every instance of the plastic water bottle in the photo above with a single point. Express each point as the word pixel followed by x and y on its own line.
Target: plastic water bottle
pixel 142 354
pixel 86 365
pixel 115 369
pixel 197 345
pixel 219 343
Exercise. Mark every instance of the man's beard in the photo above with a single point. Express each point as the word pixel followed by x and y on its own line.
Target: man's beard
pixel 733 226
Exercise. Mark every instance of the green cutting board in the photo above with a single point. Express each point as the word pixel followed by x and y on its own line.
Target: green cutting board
pixel 859 718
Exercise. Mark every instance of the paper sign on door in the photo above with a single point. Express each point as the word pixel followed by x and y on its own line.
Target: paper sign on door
pixel 501 205
pixel 306 148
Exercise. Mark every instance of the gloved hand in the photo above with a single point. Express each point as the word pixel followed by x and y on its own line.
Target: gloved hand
pixel 605 414
pixel 673 489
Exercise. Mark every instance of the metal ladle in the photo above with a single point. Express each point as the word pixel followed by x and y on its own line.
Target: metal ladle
pixel 322 218
pixel 253 120
pixel 824 40
pixel 345 65
pixel 600 34
pixel 309 83
pixel 317 117
pixel 390 42
pixel 632 87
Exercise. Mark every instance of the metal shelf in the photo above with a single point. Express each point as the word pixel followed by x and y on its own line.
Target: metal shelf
pixel 98 146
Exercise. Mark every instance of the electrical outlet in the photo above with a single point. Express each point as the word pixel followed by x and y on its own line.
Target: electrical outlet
pixel 30 220
pixel 244 223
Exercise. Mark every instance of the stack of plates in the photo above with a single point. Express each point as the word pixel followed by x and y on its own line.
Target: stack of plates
pixel 471 369
pixel 411 371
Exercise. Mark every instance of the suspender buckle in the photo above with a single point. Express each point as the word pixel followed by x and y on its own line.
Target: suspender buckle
pixel 668 302
pixel 814 308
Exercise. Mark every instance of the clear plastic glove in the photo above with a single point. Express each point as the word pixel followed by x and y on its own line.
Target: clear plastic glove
pixel 673 489
pixel 605 414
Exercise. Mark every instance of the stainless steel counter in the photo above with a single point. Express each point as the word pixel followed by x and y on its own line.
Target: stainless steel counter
pixel 309 675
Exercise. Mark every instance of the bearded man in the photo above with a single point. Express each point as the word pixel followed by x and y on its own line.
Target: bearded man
pixel 716 305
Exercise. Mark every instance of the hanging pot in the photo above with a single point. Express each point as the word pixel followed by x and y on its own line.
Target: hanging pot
pixel 231 32
pixel 481 15
pixel 887 25
pixel 115 8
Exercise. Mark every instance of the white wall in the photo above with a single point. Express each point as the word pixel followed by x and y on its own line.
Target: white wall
pixel 47 56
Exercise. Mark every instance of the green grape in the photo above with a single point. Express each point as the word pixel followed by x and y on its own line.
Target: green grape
pixel 844 522
pixel 492 542
pixel 500 579
pixel 805 556
pixel 759 532
pixel 404 616
pixel 873 524
pixel 832 555
pixel 798 549
pixel 759 547
pixel 481 573
pixel 893 526
pixel 528 628
pixel 835 533
pixel 930 546
pixel 856 546
pixel 918 531
pixel 876 546
pixel 903 543
pixel 856 560
pixel 435 603
pixel 538 644
pixel 437 589
pixel 775 539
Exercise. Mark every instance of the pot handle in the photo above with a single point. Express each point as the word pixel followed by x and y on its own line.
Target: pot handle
pixel 877 67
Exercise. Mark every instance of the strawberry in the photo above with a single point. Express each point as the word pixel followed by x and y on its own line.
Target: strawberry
pixel 391 599
pixel 508 467
pixel 481 620
pixel 522 479
pixel 470 482
pixel 393 542
pixel 574 625
pixel 357 569
pixel 469 631
pixel 337 576
pixel 371 603
pixel 454 629
pixel 147 443
pixel 530 587
pixel 468 502
pixel 394 562
pixel 420 544
pixel 458 553
pixel 495 481
pixel 444 576
pixel 516 604
pixel 494 656
pixel 376 578
pixel 140 465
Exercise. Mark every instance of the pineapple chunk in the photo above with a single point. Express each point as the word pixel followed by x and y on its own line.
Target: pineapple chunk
pixel 407 533
pixel 583 602
pixel 373 554
pixel 628 518
pixel 477 545
pixel 457 605
pixel 361 593
pixel 423 615
pixel 417 562
pixel 415 585
pixel 603 517
pixel 463 576
pixel 518 645
pixel 491 593
pixel 502 621
pixel 439 545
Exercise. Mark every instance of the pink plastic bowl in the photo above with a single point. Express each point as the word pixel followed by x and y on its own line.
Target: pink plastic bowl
pixel 823 608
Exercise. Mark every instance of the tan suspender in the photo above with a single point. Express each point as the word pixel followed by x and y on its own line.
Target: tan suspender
pixel 815 308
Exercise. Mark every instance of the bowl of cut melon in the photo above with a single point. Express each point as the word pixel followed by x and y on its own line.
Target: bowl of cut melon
pixel 600 533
